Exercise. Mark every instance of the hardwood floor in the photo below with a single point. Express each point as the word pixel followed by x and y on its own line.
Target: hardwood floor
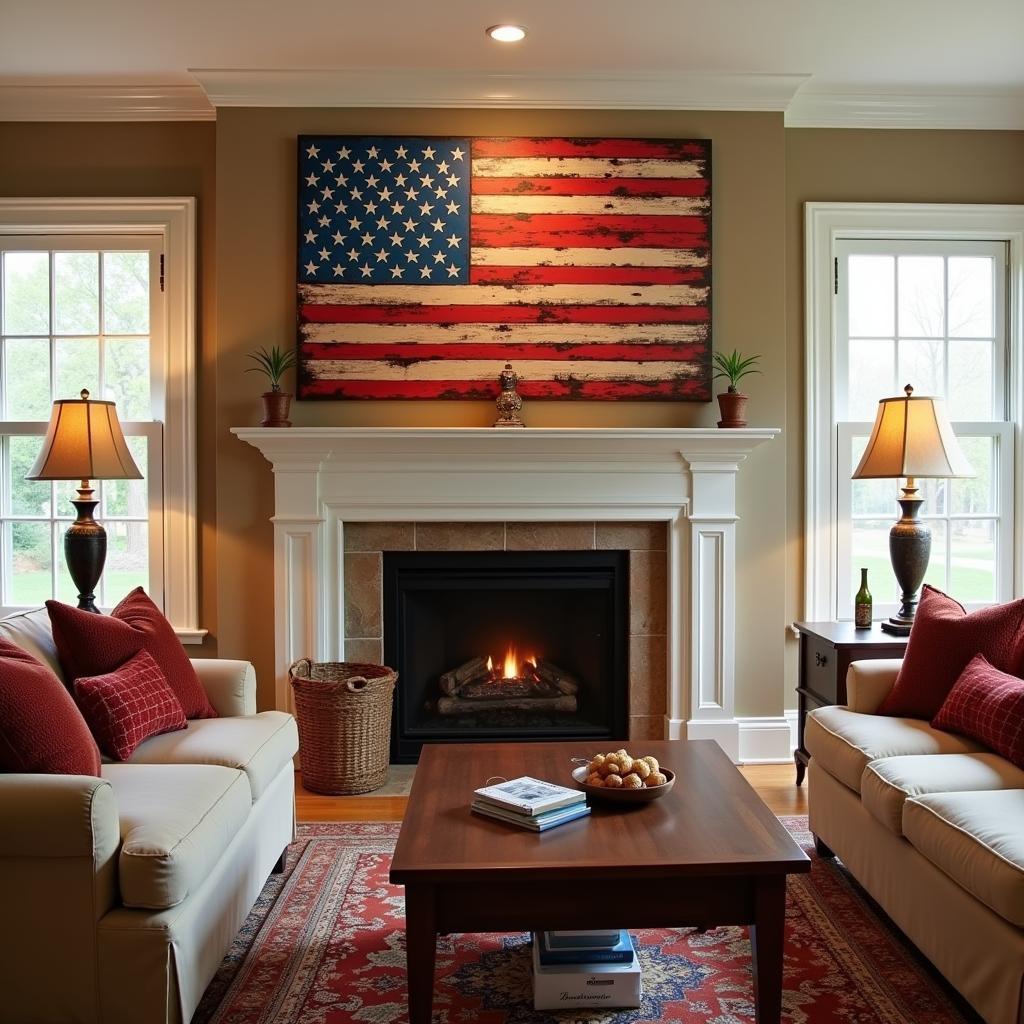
pixel 774 783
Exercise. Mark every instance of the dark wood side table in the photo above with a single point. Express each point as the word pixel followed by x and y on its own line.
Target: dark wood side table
pixel 826 650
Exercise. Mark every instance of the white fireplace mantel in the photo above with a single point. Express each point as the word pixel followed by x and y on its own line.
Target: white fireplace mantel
pixel 686 477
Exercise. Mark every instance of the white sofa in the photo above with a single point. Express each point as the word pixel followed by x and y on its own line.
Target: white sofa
pixel 932 825
pixel 121 894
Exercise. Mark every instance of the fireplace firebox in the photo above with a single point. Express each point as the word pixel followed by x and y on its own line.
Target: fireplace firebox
pixel 524 645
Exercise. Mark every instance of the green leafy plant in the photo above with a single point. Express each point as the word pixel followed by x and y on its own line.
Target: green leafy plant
pixel 733 367
pixel 273 364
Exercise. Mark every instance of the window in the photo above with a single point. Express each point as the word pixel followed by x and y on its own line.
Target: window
pixel 918 295
pixel 87 301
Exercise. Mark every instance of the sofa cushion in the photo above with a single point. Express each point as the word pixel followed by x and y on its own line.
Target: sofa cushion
pixel 889 782
pixel 976 839
pixel 41 730
pixel 987 705
pixel 176 823
pixel 260 745
pixel 844 742
pixel 942 641
pixel 31 632
pixel 91 644
pixel 125 706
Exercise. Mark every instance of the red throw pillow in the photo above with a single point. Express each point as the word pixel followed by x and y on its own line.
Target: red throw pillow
pixel 41 730
pixel 128 705
pixel 90 645
pixel 988 706
pixel 943 640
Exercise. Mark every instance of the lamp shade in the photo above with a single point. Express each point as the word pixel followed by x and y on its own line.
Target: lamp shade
pixel 912 437
pixel 84 442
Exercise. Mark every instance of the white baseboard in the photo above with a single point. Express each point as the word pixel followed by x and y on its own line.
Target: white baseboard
pixel 767 740
pixel 725 730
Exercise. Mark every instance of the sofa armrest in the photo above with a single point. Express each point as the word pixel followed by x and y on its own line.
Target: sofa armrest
pixel 230 685
pixel 869 682
pixel 59 839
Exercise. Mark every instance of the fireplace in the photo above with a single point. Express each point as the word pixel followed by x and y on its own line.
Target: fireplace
pixel 506 645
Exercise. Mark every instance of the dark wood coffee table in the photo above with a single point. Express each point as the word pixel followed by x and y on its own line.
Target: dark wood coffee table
pixel 708 853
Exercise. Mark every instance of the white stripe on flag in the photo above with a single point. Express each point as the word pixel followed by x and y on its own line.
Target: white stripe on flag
pixel 502 295
pixel 499 334
pixel 675 206
pixel 521 256
pixel 584 167
pixel 483 369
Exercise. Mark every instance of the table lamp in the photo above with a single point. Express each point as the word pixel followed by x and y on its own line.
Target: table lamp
pixel 911 438
pixel 84 442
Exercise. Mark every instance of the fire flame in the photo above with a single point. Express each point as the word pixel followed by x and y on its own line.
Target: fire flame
pixel 514 667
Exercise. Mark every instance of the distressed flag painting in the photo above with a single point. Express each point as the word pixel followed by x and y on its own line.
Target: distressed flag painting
pixel 425 264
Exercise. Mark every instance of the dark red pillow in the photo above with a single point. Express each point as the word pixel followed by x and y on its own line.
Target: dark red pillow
pixel 41 730
pixel 128 705
pixel 988 706
pixel 90 645
pixel 943 640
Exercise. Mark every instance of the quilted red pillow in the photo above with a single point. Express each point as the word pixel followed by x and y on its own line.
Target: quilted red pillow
pixel 128 705
pixel 942 641
pixel 988 706
pixel 89 645
pixel 41 730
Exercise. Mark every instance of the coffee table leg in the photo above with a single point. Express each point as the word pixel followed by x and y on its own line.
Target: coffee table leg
pixel 420 949
pixel 767 940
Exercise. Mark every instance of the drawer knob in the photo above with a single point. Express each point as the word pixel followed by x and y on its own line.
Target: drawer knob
pixel 820 659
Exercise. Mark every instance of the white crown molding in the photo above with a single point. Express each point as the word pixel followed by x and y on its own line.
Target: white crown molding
pixel 401 87
pixel 77 102
pixel 989 111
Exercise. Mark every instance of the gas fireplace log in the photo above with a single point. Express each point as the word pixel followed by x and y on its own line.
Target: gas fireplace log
pixel 495 688
pixel 452 682
pixel 458 706
pixel 555 676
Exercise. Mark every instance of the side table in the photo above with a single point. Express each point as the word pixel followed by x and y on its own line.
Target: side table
pixel 826 650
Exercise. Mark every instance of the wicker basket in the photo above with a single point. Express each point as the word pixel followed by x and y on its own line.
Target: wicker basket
pixel 344 716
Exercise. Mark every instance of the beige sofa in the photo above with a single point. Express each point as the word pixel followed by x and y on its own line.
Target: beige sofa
pixel 121 894
pixel 932 825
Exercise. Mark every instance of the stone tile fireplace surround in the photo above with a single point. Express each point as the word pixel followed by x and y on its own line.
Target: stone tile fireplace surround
pixel 345 495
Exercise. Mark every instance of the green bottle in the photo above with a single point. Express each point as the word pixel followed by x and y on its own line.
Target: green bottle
pixel 862 604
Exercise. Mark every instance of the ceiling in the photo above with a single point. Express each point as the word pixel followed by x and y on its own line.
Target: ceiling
pixel 792 55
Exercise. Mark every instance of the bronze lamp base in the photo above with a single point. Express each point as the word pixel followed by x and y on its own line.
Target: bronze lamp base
pixel 910 548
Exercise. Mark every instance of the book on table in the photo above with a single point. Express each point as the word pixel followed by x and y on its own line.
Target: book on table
pixel 534 823
pixel 530 796
pixel 619 952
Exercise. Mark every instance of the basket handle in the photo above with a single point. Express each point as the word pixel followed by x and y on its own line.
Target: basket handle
pixel 301 667
pixel 356 684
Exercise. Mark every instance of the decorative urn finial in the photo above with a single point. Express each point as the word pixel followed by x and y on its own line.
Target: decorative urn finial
pixel 509 401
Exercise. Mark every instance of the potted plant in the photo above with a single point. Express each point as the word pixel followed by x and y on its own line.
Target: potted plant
pixel 732 403
pixel 273 364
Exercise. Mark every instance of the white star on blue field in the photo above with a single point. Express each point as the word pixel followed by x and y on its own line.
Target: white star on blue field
pixel 383 209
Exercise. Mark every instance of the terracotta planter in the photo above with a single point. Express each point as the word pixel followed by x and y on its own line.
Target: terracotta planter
pixel 733 406
pixel 275 409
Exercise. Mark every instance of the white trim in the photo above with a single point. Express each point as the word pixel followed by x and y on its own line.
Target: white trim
pixel 823 224
pixel 410 87
pixel 71 102
pixel 767 740
pixel 174 218
pixel 998 111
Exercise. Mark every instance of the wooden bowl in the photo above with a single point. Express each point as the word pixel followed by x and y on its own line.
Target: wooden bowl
pixel 624 796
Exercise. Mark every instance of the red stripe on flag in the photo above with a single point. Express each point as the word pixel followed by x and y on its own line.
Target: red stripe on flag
pixel 496 236
pixel 697 276
pixel 673 149
pixel 605 223
pixel 332 313
pixel 416 352
pixel 693 390
pixel 624 188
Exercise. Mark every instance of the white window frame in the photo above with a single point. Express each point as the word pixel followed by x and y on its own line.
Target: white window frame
pixel 174 219
pixel 824 223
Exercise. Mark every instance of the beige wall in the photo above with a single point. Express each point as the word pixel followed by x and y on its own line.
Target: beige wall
pixel 256 161
pixel 837 165
pixel 139 160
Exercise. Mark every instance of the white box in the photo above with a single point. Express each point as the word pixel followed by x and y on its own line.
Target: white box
pixel 564 986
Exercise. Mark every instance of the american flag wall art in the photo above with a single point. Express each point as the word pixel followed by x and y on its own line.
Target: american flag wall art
pixel 426 263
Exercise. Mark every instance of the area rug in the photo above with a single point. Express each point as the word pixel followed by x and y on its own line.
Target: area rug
pixel 325 945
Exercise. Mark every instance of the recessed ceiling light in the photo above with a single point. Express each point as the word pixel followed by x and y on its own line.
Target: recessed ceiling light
pixel 507 33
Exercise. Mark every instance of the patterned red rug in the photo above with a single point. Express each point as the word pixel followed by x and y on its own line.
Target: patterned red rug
pixel 325 945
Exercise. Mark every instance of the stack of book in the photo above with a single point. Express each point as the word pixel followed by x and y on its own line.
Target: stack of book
pixel 585 968
pixel 531 803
